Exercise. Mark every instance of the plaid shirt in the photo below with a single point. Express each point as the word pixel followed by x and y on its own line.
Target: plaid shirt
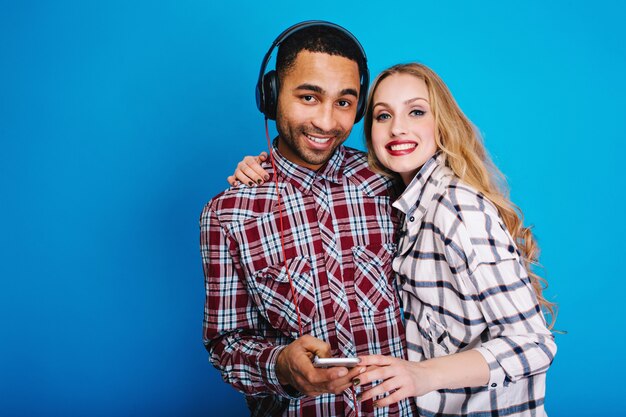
pixel 464 287
pixel 339 242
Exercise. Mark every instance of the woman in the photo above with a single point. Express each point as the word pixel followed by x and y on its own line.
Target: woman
pixel 477 340
pixel 472 304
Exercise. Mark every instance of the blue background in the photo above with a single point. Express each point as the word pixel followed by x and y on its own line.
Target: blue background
pixel 119 120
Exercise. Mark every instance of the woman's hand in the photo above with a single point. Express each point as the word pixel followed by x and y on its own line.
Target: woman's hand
pixel 401 378
pixel 249 171
pixel 413 379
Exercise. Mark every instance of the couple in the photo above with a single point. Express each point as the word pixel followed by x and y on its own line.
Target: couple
pixel 308 262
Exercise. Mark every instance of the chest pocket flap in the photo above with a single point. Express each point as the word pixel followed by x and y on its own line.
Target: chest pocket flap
pixel 373 276
pixel 273 295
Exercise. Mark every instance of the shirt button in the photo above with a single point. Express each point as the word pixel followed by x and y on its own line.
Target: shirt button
pixel 494 385
pixel 412 219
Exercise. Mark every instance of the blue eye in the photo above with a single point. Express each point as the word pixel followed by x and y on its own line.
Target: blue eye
pixel 383 116
pixel 417 112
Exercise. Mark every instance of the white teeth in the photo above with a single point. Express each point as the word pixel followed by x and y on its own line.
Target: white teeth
pixel 403 147
pixel 318 140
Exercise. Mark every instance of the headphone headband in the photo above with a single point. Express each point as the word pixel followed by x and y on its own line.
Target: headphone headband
pixel 267 85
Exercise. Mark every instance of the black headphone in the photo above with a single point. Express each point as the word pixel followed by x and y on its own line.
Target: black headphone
pixel 267 85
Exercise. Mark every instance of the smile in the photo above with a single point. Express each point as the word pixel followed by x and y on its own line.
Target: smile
pixel 399 148
pixel 402 147
pixel 315 139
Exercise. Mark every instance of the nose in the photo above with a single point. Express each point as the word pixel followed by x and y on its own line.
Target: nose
pixel 325 118
pixel 398 126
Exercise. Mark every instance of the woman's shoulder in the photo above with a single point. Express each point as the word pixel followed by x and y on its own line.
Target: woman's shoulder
pixel 465 202
pixel 467 217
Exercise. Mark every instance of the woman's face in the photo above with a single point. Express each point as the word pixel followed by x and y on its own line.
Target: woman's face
pixel 403 125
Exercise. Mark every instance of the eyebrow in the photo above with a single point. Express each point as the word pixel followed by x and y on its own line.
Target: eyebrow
pixel 409 101
pixel 311 87
pixel 320 90
pixel 349 92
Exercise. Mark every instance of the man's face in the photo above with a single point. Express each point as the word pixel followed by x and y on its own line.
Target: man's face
pixel 316 107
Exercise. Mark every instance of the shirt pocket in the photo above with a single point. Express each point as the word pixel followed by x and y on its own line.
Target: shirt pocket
pixel 275 300
pixel 373 276
pixel 435 336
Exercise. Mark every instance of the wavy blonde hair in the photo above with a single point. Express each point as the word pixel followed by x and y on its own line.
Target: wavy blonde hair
pixel 466 155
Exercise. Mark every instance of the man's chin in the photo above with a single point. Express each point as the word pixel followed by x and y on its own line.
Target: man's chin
pixel 319 159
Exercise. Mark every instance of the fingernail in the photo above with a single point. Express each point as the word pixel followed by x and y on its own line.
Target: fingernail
pixel 234 183
pixel 259 181
pixel 250 183
pixel 362 370
pixel 356 381
pixel 342 373
pixel 267 177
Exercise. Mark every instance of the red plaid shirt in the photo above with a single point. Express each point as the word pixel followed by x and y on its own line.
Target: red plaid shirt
pixel 339 242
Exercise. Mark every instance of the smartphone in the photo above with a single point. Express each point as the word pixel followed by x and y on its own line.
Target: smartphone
pixel 330 362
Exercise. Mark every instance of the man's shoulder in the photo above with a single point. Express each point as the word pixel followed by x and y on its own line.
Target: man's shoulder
pixel 359 173
pixel 240 203
pixel 355 158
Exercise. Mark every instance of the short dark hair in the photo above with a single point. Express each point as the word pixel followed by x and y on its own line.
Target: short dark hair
pixel 324 39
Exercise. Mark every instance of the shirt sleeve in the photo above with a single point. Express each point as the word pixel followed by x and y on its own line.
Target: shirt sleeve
pixel 519 344
pixel 240 345
pixel 519 339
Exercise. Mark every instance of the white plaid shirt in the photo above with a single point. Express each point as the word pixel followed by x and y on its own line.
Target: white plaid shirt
pixel 464 287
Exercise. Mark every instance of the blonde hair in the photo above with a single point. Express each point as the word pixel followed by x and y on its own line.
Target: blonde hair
pixel 467 157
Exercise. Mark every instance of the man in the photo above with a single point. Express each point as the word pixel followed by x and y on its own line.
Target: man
pixel 301 265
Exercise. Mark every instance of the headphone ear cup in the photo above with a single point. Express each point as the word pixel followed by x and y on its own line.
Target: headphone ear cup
pixel 270 94
pixel 360 108
pixel 258 95
pixel 365 83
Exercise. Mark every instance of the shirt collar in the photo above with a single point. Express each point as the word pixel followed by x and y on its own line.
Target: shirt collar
pixel 302 177
pixel 418 194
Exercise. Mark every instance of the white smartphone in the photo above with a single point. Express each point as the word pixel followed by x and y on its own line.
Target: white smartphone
pixel 330 362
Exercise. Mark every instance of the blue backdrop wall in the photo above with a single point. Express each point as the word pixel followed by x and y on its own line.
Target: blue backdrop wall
pixel 119 120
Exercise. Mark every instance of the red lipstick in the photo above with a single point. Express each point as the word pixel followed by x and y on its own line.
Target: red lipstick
pixel 402 147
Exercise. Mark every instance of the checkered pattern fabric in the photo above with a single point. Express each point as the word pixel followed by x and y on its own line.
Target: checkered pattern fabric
pixel 464 287
pixel 339 242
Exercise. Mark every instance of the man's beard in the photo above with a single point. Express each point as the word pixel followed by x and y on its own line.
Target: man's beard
pixel 291 138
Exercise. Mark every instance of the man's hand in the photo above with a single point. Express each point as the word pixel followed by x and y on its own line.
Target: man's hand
pixel 294 367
